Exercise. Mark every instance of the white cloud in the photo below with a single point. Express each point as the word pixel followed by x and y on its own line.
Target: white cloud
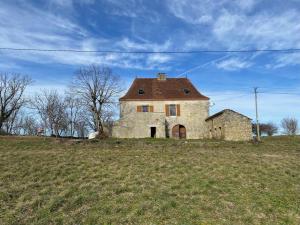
pixel 69 4
pixel 158 58
pixel 128 44
pixel 233 24
pixel 258 31
pixel 196 11
pixel 205 11
pixel 30 27
pixel 19 29
pixel 6 65
pixel 62 3
pixel 246 4
pixel 233 64
pixel 261 31
pixel 123 8
pixel 285 60
pixel 220 24
pixel 152 61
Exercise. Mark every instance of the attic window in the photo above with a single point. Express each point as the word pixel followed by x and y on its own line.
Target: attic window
pixel 186 91
pixel 141 91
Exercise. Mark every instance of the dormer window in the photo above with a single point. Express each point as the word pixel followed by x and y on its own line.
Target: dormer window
pixel 186 91
pixel 141 91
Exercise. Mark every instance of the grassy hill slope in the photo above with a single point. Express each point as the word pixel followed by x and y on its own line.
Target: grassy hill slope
pixel 149 181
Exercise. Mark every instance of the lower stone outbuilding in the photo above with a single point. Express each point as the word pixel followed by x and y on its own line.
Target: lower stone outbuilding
pixel 229 125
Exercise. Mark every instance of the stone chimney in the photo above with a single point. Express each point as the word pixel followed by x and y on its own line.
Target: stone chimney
pixel 161 76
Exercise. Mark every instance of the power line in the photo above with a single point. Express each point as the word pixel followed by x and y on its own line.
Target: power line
pixel 226 94
pixel 231 98
pixel 279 93
pixel 203 65
pixel 290 50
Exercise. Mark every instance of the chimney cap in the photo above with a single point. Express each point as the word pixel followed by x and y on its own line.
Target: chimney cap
pixel 161 76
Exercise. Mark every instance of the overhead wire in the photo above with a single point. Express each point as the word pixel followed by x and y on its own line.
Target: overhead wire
pixel 288 50
pixel 203 65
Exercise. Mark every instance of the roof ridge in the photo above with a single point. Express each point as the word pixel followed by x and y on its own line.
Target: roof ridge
pixel 171 88
pixel 223 111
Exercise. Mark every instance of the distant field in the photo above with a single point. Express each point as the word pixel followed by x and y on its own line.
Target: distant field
pixel 149 182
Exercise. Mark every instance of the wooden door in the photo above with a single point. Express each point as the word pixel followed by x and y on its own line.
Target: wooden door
pixel 178 131
pixel 175 131
pixel 182 132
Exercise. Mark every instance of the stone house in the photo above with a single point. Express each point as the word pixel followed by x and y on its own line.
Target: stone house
pixel 229 125
pixel 162 107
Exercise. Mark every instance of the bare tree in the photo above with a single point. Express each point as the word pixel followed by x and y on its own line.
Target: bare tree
pixel 17 125
pixel 12 87
pixel 271 129
pixel 81 125
pixel 73 112
pixel 265 128
pixel 51 108
pixel 30 125
pixel 10 126
pixel 39 102
pixel 290 126
pixel 98 88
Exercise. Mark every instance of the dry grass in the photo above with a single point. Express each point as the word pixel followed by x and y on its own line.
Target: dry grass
pixel 149 182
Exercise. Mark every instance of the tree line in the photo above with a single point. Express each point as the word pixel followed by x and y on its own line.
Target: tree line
pixel 88 104
pixel 288 125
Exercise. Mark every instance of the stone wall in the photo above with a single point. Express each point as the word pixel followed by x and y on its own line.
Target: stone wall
pixel 215 128
pixel 138 125
pixel 133 124
pixel 230 126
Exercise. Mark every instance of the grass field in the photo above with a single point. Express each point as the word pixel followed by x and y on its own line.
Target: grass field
pixel 149 182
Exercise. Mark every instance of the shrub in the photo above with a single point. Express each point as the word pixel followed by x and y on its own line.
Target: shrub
pixel 290 126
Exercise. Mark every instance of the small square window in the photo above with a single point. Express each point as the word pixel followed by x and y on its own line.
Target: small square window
pixel 141 91
pixel 172 109
pixel 186 91
pixel 145 108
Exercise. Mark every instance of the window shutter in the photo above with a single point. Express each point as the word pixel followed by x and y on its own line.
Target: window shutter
pixel 150 108
pixel 167 110
pixel 139 108
pixel 178 110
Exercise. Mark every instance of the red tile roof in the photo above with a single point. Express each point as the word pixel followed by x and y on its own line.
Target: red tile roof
pixel 169 89
pixel 224 111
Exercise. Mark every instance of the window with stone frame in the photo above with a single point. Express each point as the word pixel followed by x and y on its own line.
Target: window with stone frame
pixel 145 108
pixel 172 110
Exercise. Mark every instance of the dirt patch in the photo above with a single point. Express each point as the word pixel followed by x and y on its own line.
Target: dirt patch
pixel 272 156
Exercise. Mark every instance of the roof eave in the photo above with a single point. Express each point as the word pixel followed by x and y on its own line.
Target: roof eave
pixel 222 112
pixel 166 99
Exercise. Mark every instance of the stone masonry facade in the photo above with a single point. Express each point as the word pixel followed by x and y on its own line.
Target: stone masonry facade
pixel 229 125
pixel 173 108
pixel 134 124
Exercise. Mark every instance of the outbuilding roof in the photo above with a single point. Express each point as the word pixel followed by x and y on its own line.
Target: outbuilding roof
pixel 165 89
pixel 224 111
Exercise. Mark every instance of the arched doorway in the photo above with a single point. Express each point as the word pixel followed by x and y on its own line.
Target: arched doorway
pixel 178 131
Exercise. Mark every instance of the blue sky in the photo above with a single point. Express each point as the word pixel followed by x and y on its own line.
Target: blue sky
pixel 164 25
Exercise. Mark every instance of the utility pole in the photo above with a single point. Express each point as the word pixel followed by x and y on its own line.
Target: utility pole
pixel 256 112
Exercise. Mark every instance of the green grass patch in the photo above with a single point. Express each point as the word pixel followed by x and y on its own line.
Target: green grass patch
pixel 149 181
